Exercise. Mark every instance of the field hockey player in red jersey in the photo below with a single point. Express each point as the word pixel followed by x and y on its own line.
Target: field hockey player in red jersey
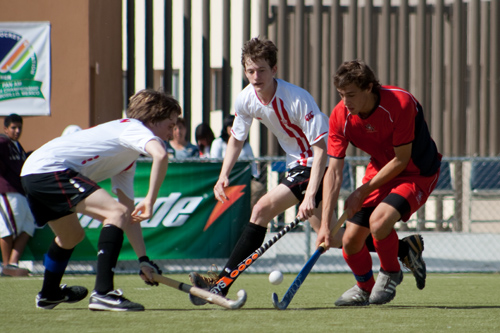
pixel 387 123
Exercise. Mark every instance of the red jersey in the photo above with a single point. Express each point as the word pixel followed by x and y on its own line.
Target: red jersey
pixel 396 120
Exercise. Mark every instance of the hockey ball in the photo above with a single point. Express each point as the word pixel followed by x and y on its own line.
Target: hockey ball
pixel 276 277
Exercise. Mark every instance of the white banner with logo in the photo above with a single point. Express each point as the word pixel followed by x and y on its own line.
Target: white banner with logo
pixel 25 68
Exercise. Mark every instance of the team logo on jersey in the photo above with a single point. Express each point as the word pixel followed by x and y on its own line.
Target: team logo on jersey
pixel 370 128
pixel 419 196
pixel 309 116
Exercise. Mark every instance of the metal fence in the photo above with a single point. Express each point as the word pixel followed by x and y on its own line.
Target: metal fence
pixel 460 224
pixel 445 52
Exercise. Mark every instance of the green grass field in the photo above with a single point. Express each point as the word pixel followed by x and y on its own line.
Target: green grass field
pixel 449 303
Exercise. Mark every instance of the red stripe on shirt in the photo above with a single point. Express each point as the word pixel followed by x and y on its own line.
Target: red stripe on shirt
pixel 288 126
pixel 319 136
pixel 127 168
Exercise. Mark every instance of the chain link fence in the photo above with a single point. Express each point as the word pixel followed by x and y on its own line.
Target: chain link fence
pixel 460 224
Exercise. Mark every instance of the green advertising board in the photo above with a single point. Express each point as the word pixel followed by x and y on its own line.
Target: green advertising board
pixel 188 223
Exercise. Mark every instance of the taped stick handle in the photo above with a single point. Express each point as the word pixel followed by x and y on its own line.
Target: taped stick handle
pixel 337 226
pixel 276 237
pixel 339 223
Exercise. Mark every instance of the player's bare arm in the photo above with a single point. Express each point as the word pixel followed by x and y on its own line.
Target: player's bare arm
pixel 159 167
pixel 393 168
pixel 134 235
pixel 331 188
pixel 233 151
pixel 306 208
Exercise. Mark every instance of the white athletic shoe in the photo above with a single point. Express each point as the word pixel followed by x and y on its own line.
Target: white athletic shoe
pixel 353 297
pixel 385 287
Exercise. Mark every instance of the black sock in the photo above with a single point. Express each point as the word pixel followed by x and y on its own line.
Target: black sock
pixel 402 248
pixel 369 243
pixel 250 240
pixel 56 259
pixel 108 250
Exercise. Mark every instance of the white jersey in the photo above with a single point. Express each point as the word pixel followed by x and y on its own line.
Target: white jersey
pixel 292 115
pixel 105 151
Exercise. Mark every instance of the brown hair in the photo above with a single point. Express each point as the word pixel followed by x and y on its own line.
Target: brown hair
pixel 153 106
pixel 356 72
pixel 181 122
pixel 259 48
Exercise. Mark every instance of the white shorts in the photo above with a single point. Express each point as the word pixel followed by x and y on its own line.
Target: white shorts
pixel 15 215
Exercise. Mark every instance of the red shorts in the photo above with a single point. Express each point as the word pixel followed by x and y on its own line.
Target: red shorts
pixel 415 189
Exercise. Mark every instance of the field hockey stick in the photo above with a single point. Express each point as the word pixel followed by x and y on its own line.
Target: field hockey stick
pixel 294 287
pixel 226 281
pixel 204 294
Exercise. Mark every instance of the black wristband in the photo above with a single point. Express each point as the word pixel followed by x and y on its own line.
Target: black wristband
pixel 143 259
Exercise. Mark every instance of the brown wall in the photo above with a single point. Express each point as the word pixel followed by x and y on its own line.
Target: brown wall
pixel 105 31
pixel 83 33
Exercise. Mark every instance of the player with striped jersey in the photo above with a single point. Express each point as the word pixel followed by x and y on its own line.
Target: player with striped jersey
pixel 301 128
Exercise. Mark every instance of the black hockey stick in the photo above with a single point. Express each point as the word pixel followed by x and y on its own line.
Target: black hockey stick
pixel 226 281
pixel 294 287
pixel 204 294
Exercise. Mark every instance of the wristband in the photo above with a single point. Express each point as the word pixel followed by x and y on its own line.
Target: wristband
pixel 144 259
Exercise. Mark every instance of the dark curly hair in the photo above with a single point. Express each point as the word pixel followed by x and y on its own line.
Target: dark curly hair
pixel 356 72
pixel 259 48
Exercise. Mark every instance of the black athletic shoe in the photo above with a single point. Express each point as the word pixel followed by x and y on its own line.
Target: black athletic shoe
pixel 112 301
pixel 71 294
pixel 414 261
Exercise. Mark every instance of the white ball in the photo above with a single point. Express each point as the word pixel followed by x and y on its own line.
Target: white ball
pixel 276 277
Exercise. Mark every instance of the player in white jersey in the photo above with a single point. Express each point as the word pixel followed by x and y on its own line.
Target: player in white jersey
pixel 60 180
pixel 292 115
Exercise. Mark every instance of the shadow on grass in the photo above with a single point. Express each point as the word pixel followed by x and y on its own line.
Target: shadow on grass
pixel 447 307
pixel 399 307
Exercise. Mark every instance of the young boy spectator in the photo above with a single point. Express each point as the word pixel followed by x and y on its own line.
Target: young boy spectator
pixel 16 221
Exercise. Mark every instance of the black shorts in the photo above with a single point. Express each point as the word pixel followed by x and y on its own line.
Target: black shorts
pixel 362 218
pixel 297 180
pixel 55 194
